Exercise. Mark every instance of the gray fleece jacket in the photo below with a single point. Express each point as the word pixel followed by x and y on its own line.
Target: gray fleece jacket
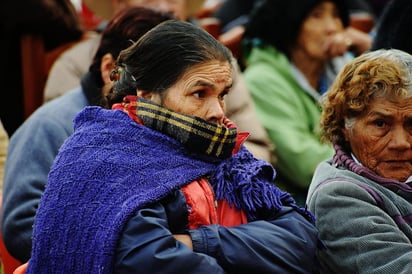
pixel 365 220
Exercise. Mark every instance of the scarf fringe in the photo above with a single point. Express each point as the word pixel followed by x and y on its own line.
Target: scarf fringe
pixel 252 190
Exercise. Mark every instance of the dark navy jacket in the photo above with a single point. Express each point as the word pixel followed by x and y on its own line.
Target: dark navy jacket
pixel 285 244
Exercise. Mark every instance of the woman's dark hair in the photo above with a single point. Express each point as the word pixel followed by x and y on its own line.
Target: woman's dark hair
pixel 160 57
pixel 278 22
pixel 394 27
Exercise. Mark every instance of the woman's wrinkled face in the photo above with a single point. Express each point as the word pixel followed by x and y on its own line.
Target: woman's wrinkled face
pixel 200 92
pixel 381 139
pixel 319 27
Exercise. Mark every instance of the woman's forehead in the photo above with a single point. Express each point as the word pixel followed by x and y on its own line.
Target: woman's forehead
pixel 212 72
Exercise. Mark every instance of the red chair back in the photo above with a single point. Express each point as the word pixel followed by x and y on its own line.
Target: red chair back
pixel 9 262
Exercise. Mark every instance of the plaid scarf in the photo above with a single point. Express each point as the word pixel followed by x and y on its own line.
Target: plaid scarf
pixel 193 132
pixel 207 138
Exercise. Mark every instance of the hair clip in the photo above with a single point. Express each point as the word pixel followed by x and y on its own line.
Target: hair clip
pixel 115 75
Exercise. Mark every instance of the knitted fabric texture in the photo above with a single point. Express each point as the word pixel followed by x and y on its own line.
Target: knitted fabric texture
pixel 112 166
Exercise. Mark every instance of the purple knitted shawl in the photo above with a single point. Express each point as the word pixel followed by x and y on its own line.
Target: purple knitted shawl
pixel 110 167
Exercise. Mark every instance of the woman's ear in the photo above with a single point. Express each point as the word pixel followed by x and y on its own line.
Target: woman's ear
pixel 345 133
pixel 107 64
pixel 152 96
pixel 144 94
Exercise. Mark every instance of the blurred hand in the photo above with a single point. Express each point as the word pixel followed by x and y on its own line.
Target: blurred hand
pixel 185 239
pixel 361 41
pixel 350 39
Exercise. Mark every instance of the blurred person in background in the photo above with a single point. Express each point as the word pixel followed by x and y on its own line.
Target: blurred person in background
pixel 66 72
pixel 394 26
pixel 293 51
pixel 56 22
pixel 71 65
pixel 36 142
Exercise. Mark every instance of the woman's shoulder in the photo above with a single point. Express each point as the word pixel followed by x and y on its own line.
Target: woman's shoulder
pixel 266 55
pixel 96 114
pixel 329 180
pixel 267 67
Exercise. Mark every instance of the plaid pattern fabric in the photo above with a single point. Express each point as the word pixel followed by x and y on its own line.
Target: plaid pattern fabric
pixel 194 133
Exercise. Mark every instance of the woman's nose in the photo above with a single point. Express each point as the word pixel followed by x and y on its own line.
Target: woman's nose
pixel 215 112
pixel 333 24
pixel 401 139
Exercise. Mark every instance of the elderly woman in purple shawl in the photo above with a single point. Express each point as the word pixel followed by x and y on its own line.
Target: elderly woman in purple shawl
pixel 160 181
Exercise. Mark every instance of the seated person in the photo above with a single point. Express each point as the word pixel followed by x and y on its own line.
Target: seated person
pixel 74 63
pixel 362 197
pixel 68 69
pixel 161 182
pixel 293 50
pixel 34 146
pixel 394 26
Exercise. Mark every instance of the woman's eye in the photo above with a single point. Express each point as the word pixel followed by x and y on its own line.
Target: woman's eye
pixel 316 14
pixel 380 123
pixel 408 123
pixel 199 94
pixel 336 14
